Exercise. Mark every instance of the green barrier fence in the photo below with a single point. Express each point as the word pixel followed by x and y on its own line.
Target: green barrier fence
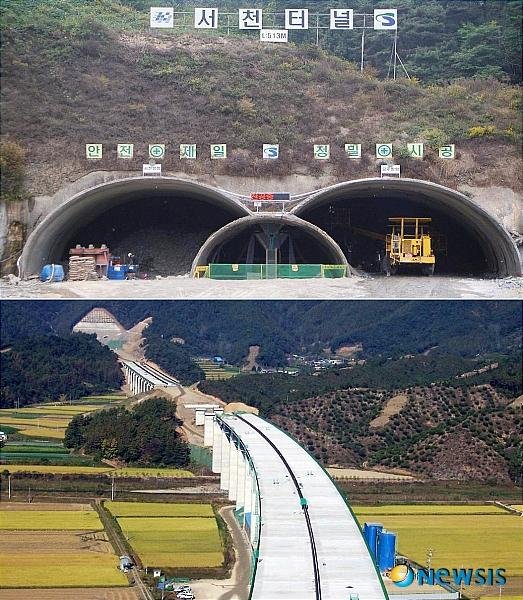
pixel 283 271
pixel 200 455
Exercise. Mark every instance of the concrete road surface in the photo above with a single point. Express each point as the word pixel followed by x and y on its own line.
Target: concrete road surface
pixel 369 287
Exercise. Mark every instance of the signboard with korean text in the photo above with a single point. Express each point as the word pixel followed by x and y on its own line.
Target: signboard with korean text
pixel 125 150
pixel 415 150
pixel 187 150
pixel 297 18
pixel 206 18
pixel 274 35
pixel 341 18
pixel 390 170
pixel 250 18
pixel 353 150
pixel 218 151
pixel 447 151
pixel 322 151
pixel 151 169
pixel 93 151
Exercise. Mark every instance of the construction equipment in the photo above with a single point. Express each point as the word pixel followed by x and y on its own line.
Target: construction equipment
pixel 408 243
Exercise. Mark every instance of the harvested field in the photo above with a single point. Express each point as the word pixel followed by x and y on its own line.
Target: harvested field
pixel 50 519
pixel 71 594
pixel 341 473
pixel 145 509
pixel 43 506
pixel 54 542
pixel 123 472
pixel 55 545
pixel 430 509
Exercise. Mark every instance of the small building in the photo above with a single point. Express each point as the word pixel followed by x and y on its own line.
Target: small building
pixel 3 436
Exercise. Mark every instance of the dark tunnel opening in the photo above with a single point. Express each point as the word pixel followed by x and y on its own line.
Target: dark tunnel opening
pixel 164 230
pixel 458 249
pixel 297 246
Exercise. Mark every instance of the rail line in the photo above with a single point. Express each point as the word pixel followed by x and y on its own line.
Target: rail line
pixel 304 506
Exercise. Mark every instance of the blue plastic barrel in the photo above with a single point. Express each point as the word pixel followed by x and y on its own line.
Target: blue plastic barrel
pixel 386 550
pixel 371 532
pixel 52 273
pixel 116 271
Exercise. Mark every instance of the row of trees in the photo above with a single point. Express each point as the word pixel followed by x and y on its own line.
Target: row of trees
pixel 145 435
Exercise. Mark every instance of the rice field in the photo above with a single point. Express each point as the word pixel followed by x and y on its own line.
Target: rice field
pixel 469 536
pixel 155 509
pixel 171 541
pixel 50 420
pixel 63 520
pixel 79 470
pixel 53 545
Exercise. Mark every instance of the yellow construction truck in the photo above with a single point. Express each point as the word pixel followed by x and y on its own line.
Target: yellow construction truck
pixel 407 243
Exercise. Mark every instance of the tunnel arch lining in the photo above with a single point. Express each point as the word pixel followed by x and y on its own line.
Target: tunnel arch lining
pixel 96 199
pixel 500 248
pixel 227 232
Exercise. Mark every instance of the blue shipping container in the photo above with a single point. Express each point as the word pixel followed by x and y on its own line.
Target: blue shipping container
pixel 386 550
pixel 371 532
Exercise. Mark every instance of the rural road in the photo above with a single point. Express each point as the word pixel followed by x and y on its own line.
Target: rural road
pixel 237 587
pixel 184 287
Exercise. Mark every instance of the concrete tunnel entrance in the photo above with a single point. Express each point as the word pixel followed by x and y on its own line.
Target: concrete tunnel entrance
pixel 270 239
pixel 469 240
pixel 164 221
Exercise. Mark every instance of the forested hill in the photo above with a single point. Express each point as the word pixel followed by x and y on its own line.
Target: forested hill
pixel 228 328
pixel 76 72
pixel 46 367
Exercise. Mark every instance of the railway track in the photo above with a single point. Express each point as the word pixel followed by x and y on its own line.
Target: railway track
pixel 303 503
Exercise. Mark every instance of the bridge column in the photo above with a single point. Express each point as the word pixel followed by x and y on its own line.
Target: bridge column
pixel 240 487
pixel 217 447
pixel 233 470
pixel 208 429
pixel 247 493
pixel 224 468
pixel 199 416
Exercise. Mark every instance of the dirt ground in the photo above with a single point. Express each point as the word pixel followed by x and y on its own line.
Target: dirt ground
pixel 55 542
pixel 371 287
pixel 342 473
pixel 391 408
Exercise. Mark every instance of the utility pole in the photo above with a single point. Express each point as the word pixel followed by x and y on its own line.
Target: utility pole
pixel 112 487
pixel 9 486
pixel 362 44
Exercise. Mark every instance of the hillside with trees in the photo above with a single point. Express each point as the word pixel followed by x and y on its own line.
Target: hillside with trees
pixel 75 71
pixel 384 329
pixel 44 368
pixel 145 435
